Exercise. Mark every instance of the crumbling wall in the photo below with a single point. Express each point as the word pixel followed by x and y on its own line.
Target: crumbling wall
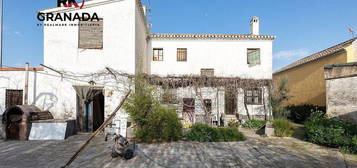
pixel 341 91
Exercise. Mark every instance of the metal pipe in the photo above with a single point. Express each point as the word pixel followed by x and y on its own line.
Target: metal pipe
pixel 1 33
pixel 27 66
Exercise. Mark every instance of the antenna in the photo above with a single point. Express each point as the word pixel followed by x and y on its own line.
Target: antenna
pixel 352 32
pixel 1 32
pixel 148 14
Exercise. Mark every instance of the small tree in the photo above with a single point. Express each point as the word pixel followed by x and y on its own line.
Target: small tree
pixel 280 93
pixel 154 122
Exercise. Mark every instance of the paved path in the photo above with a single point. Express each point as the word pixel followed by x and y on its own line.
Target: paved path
pixel 255 152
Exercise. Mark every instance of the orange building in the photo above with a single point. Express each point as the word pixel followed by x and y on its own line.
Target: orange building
pixel 306 80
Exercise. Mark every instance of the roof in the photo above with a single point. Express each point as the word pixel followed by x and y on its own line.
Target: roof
pixel 213 36
pixel 324 53
pixel 21 69
pixel 330 66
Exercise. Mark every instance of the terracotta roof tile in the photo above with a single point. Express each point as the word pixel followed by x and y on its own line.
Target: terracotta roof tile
pixel 318 55
pixel 213 36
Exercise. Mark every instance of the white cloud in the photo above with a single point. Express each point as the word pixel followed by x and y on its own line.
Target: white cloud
pixel 17 33
pixel 297 53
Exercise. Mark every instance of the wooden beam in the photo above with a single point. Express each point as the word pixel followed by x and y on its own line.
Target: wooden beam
pixel 106 122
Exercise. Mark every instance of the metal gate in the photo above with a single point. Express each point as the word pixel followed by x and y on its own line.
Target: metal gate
pixel 13 97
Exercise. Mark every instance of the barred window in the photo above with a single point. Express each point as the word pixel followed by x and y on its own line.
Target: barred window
pixel 207 72
pixel 158 54
pixel 253 56
pixel 90 34
pixel 253 97
pixel 182 54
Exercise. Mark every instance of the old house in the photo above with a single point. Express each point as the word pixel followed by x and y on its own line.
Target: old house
pixel 306 79
pixel 87 68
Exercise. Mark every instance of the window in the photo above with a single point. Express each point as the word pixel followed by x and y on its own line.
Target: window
pixel 182 54
pixel 208 105
pixel 253 56
pixel 158 54
pixel 253 97
pixel 230 99
pixel 90 34
pixel 188 111
pixel 207 72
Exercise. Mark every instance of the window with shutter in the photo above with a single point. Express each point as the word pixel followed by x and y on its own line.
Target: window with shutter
pixel 90 34
pixel 182 54
pixel 253 56
pixel 207 72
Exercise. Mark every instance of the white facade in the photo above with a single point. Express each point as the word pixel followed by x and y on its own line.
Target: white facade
pixel 228 58
pixel 128 47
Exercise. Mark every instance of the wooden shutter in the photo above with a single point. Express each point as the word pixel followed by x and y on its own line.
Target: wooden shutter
pixel 13 98
pixel 91 34
pixel 182 54
pixel 253 56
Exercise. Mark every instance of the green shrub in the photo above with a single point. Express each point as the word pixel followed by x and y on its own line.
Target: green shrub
pixel 331 132
pixel 283 127
pixel 206 133
pixel 201 133
pixel 299 114
pixel 163 126
pixel 229 134
pixel 233 123
pixel 154 122
pixel 254 124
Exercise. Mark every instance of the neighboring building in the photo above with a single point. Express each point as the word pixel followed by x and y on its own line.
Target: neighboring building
pixel 341 91
pixel 76 58
pixel 306 80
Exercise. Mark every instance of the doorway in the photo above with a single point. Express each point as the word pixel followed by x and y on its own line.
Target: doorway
pixel 90 108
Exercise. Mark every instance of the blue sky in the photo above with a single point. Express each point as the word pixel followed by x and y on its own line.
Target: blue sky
pixel 302 27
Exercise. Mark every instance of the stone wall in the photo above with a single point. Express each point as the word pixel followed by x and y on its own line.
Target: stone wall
pixel 341 91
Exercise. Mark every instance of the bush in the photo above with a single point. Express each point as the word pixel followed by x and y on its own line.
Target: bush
pixel 205 133
pixel 233 123
pixel 154 122
pixel 283 127
pixel 299 114
pixel 331 132
pixel 163 126
pixel 254 124
pixel 201 133
pixel 229 134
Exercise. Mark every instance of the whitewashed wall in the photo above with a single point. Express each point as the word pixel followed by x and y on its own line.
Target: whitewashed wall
pixel 217 96
pixel 49 91
pixel 61 43
pixel 227 57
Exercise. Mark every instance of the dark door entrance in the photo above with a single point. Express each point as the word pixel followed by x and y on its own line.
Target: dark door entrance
pixel 13 98
pixel 188 111
pixel 90 114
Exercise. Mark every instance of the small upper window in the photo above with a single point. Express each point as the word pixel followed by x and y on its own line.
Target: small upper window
pixel 253 96
pixel 207 72
pixel 182 54
pixel 90 34
pixel 158 54
pixel 253 56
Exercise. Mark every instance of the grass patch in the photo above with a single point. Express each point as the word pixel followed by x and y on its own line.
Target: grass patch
pixel 254 124
pixel 283 127
pixel 206 133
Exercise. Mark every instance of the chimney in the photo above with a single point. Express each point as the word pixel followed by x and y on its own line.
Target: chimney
pixel 254 26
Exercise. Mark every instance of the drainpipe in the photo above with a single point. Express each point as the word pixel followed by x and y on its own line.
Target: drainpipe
pixel 27 65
